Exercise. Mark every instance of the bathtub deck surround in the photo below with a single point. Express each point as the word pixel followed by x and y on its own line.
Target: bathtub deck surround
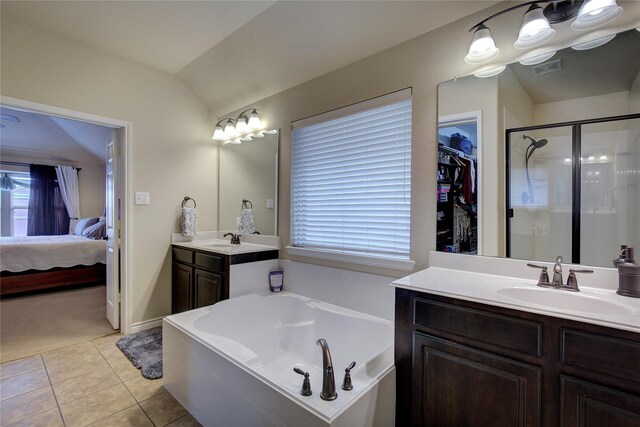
pixel 232 363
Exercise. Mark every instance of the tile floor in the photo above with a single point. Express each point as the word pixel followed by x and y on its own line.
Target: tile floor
pixel 91 383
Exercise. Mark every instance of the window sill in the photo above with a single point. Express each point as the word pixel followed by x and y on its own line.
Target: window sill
pixel 375 261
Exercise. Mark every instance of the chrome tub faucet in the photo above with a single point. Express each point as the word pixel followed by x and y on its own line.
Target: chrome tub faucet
pixel 328 377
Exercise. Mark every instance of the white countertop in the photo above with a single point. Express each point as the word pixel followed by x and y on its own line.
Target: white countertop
pixel 212 241
pixel 597 305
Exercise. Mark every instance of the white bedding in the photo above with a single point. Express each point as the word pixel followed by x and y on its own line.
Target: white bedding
pixel 20 253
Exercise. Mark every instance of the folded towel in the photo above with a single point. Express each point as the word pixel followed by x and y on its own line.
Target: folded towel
pixel 247 224
pixel 188 222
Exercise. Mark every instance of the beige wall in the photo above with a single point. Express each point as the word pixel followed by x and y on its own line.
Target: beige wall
pixel 420 63
pixel 171 150
pixel 590 107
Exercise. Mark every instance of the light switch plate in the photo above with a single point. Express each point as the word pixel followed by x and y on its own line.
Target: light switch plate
pixel 142 198
pixel 271 204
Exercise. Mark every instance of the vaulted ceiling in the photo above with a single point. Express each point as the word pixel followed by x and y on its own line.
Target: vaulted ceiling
pixel 232 53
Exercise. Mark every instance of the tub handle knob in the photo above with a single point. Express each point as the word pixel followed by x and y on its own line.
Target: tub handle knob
pixel 306 384
pixel 346 384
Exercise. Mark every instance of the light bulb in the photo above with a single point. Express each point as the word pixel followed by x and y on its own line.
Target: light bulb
pixel 482 48
pixel 537 59
pixel 229 128
pixel 591 44
pixel 218 134
pixel 535 29
pixel 258 135
pixel 254 120
pixel 247 138
pixel 595 13
pixel 241 125
pixel 490 72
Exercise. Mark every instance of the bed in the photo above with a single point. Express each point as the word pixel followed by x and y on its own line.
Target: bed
pixel 39 262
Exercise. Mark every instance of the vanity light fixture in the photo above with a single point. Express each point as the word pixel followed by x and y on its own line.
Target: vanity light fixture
pixel 244 128
pixel 535 29
pixel 591 44
pixel 538 59
pixel 536 24
pixel 490 72
pixel 482 48
pixel 596 13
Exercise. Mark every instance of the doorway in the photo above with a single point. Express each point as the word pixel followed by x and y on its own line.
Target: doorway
pixel 118 300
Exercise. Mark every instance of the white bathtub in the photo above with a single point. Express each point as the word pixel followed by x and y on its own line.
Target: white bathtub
pixel 231 364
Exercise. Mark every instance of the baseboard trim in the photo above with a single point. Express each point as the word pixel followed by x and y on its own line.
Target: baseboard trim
pixel 146 324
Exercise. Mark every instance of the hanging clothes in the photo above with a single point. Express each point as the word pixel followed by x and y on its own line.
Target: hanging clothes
pixel 468 177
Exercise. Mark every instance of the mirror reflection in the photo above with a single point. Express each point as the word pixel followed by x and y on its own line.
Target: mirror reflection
pixel 249 180
pixel 558 157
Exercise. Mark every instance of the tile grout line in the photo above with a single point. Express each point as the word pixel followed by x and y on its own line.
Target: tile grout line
pixel 64 423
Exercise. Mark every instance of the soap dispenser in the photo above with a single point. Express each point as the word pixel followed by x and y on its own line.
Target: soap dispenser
pixel 621 256
pixel 629 275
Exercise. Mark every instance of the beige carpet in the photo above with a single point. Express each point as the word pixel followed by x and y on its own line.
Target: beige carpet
pixel 38 323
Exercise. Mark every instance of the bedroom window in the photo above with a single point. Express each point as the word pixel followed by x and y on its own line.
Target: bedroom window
pixel 15 204
pixel 351 183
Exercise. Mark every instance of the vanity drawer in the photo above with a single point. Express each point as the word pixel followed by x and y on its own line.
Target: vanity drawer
pixel 600 353
pixel 511 333
pixel 209 262
pixel 182 255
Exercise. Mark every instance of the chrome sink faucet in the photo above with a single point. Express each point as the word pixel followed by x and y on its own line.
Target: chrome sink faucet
pixel 235 238
pixel 572 281
pixel 328 377
pixel 557 272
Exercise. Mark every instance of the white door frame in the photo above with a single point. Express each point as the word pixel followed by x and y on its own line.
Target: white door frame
pixel 125 187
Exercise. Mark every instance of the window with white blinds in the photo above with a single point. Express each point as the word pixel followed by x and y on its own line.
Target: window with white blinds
pixel 351 179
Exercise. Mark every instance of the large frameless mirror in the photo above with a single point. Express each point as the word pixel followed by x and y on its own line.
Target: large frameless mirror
pixel 249 174
pixel 556 147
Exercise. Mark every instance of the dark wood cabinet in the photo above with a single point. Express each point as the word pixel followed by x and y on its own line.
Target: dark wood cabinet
pixel 208 288
pixel 462 363
pixel 455 385
pixel 588 404
pixel 201 278
pixel 181 289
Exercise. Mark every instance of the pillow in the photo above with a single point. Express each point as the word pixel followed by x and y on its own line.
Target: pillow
pixel 84 223
pixel 96 231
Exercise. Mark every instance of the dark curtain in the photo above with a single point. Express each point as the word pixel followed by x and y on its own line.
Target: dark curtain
pixel 47 213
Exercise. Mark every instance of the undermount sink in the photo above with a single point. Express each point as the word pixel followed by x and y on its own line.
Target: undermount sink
pixel 219 244
pixel 566 300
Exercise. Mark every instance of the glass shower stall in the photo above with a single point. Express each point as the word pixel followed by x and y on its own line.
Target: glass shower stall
pixel 572 190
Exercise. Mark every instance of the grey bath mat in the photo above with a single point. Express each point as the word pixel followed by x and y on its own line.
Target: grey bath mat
pixel 144 349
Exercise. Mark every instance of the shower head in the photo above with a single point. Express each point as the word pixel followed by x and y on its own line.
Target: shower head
pixel 534 145
pixel 540 143
pixel 528 197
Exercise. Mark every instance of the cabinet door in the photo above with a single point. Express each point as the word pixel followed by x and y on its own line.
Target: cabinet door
pixel 181 294
pixel 208 288
pixel 587 404
pixel 455 385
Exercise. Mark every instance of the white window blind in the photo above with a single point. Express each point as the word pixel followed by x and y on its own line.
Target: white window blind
pixel 351 179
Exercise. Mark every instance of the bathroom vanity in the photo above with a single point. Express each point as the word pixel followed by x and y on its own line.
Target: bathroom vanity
pixel 200 270
pixel 470 353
